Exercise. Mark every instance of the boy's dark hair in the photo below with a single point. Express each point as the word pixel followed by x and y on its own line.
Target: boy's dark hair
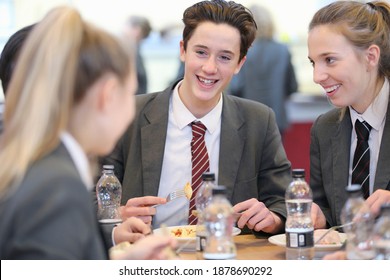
pixel 220 11
pixel 10 54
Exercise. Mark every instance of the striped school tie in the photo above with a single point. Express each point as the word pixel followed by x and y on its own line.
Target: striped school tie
pixel 361 158
pixel 200 164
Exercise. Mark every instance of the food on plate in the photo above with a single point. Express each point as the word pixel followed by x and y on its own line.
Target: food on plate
pixel 184 232
pixel 332 238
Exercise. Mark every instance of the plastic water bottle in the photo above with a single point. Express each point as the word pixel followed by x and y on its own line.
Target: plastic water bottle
pixel 382 234
pixel 299 226
pixel 359 233
pixel 219 223
pixel 109 193
pixel 202 200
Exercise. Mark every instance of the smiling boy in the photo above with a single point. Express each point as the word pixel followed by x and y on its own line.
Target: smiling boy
pixel 242 139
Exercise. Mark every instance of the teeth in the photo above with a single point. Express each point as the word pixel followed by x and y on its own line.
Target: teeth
pixel 207 82
pixel 332 88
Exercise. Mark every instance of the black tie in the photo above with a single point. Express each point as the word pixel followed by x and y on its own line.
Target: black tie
pixel 361 158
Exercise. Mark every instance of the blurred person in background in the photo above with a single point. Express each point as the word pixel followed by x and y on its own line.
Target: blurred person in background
pixel 71 96
pixel 268 75
pixel 10 54
pixel 243 142
pixel 349 48
pixel 137 29
pixel 8 58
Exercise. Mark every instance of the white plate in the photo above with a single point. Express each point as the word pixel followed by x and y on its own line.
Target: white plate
pixel 280 240
pixel 190 242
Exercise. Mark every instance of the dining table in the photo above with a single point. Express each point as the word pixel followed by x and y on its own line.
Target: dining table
pixel 249 247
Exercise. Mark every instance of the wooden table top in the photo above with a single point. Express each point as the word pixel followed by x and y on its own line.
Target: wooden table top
pixel 250 247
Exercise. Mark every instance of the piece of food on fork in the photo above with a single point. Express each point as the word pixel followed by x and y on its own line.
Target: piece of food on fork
pixel 188 190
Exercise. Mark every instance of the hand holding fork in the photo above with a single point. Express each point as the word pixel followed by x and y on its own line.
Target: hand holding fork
pixel 186 191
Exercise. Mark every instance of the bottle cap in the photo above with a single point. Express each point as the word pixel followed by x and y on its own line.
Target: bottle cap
pixel 108 167
pixel 219 190
pixel 298 173
pixel 208 176
pixel 354 188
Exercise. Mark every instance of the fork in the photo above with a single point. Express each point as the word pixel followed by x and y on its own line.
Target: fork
pixel 171 196
pixel 330 229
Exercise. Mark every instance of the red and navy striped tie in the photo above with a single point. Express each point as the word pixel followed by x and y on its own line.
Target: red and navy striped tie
pixel 200 164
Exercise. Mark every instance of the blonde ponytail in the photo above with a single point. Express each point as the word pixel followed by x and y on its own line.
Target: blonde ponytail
pixel 63 57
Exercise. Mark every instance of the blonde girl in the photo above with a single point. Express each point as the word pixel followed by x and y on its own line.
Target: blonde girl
pixel 70 98
pixel 349 48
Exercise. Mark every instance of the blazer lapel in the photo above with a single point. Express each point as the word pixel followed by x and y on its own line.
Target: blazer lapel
pixel 153 137
pixel 231 145
pixel 382 176
pixel 341 143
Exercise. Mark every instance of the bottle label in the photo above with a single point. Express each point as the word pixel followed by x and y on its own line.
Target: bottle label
pixel 299 239
pixel 200 243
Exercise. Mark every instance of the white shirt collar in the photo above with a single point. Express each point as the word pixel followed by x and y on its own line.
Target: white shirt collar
pixel 182 116
pixel 376 113
pixel 79 158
